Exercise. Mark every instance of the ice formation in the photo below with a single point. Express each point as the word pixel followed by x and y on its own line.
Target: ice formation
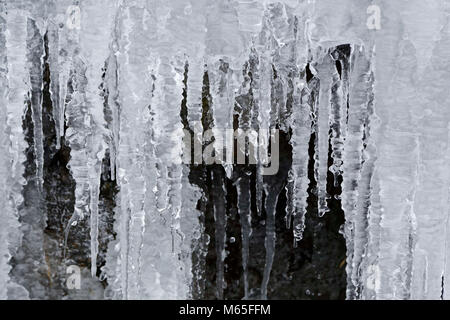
pixel 367 79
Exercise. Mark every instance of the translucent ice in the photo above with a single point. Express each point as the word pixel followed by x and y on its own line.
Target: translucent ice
pixel 358 90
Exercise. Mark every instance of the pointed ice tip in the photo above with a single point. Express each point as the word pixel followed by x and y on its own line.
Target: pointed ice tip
pixel 94 271
pixel 288 222
pixel 322 212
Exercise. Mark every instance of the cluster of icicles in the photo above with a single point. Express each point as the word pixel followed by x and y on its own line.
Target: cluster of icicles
pixel 382 109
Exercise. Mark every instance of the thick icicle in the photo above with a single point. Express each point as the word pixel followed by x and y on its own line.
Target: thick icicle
pixel 130 91
pixel 325 74
pixel 300 125
pixel 195 25
pixel 224 49
pixel 353 159
pixel 53 46
pixel 224 44
pixel 85 114
pixel 168 138
pixel 16 85
pixel 338 114
pixel 63 32
pixel 263 118
pixel 35 56
pixel 96 29
pixel 298 175
pixel 358 165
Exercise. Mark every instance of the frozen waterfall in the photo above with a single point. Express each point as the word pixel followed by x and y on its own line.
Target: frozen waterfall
pixel 151 148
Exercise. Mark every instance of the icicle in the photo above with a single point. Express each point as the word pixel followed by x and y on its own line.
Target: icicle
pixel 16 86
pixel 63 37
pixel 325 72
pixel 49 20
pixel 53 40
pixel 337 120
pixel 225 52
pixel 112 269
pixel 130 91
pixel 251 120
pixel 298 120
pixel 224 49
pixel 85 115
pixel 359 124
pixel 269 243
pixel 298 175
pixel 243 191
pixel 223 99
pixel 168 150
pixel 322 131
pixel 353 148
pixel 112 109
pixel 35 55
pixel 194 94
pixel 262 89
pixel 263 120
pixel 245 110
pixel 162 152
pixel 195 22
pixel 284 34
